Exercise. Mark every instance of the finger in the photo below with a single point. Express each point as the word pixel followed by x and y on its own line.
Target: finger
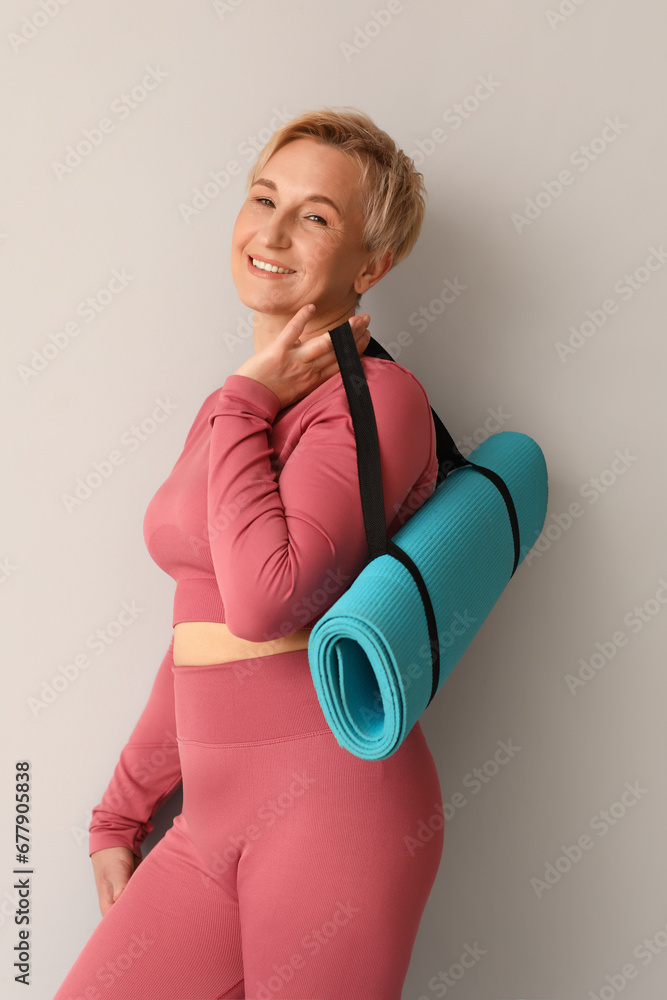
pixel 362 332
pixel 359 327
pixel 361 341
pixel 293 330
pixel 359 322
pixel 321 349
pixel 105 895
pixel 119 883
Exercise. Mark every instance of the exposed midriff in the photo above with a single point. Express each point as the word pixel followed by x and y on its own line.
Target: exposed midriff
pixel 200 643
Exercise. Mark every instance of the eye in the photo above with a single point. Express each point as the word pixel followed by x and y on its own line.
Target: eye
pixel 310 216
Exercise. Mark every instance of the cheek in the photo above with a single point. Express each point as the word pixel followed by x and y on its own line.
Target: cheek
pixel 238 232
pixel 242 230
pixel 321 262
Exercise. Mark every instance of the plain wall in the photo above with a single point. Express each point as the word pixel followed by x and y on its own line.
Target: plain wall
pixel 495 102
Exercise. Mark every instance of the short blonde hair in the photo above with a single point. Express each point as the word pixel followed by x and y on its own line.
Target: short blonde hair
pixel 392 191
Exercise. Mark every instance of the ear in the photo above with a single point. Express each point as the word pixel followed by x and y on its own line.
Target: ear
pixel 372 271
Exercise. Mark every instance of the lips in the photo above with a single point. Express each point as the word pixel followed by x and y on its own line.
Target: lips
pixel 270 263
pixel 259 272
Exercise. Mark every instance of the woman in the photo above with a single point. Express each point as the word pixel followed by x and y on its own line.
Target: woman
pixel 292 871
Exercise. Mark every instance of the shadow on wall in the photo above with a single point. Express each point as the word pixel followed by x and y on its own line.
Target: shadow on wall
pixel 162 820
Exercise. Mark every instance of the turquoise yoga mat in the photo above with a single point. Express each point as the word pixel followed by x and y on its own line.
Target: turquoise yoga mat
pixel 369 654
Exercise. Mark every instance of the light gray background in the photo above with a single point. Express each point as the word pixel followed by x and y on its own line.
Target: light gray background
pixel 228 69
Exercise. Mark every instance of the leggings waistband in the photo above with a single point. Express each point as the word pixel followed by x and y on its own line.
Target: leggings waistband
pixel 250 700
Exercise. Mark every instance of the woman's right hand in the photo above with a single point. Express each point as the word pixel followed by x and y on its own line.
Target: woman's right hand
pixel 113 867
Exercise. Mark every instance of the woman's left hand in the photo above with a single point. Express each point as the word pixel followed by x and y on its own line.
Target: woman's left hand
pixel 292 369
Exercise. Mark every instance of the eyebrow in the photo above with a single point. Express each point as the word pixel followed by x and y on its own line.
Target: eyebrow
pixel 312 197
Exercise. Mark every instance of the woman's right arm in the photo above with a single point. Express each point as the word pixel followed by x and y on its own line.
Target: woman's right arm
pixel 146 775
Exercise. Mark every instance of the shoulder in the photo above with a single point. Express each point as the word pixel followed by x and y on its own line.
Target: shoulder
pixel 392 382
pixel 395 392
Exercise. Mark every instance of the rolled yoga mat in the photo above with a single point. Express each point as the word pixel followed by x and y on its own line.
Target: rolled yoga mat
pixel 369 655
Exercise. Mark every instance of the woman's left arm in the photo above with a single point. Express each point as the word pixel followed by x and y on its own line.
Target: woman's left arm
pixel 284 552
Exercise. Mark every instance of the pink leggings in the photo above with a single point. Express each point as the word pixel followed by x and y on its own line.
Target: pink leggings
pixel 295 871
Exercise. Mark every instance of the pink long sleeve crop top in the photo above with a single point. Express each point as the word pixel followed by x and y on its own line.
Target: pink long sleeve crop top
pixel 260 523
pixel 260 520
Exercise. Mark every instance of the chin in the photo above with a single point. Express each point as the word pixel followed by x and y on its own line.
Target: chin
pixel 264 299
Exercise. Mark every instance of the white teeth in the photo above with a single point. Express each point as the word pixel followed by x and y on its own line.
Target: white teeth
pixel 270 267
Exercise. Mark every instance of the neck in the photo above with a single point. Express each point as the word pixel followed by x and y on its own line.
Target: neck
pixel 268 326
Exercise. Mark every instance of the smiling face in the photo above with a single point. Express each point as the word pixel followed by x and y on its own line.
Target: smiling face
pixel 302 214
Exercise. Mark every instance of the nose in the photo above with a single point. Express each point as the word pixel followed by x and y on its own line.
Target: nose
pixel 276 230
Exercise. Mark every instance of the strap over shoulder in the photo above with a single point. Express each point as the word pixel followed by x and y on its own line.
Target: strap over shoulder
pixel 370 472
pixel 449 456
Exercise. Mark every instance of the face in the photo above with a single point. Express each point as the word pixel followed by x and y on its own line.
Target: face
pixel 286 221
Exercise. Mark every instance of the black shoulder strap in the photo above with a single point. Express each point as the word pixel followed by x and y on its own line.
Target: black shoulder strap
pixel 370 475
pixel 449 456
